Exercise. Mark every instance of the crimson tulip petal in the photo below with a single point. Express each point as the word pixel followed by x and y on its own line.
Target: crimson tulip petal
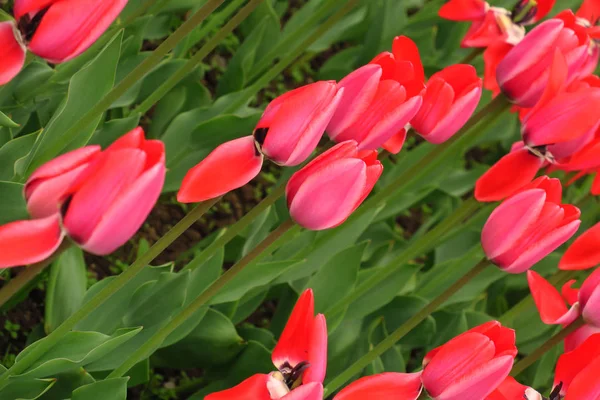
pixel 293 345
pixel 317 352
pixel 230 166
pixel 548 300
pixel 405 49
pixel 133 139
pixel 586 385
pixel 570 294
pixel 584 253
pixel 253 388
pixel 510 389
pixel 492 56
pixel 589 10
pixel 463 10
pixel 69 27
pixel 385 386
pixel 509 221
pixel 508 175
pixel 30 241
pixel 12 53
pixel 571 364
pixel 310 391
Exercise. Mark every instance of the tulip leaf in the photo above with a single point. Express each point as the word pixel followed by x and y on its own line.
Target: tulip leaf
pixel 7 122
pixel 400 310
pixel 12 202
pixel 12 151
pixel 67 382
pixel 254 359
pixel 88 86
pixel 109 389
pixel 26 389
pixel 66 288
pixel 114 129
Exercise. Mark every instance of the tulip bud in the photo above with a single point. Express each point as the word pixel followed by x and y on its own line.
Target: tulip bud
pixel 385 386
pixel 472 365
pixel 527 227
pixel 449 101
pixel 327 190
pixel 12 52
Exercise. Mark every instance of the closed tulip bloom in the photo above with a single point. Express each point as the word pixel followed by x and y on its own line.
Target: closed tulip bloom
pixel 472 365
pixel 584 252
pixel 385 386
pixel 527 227
pixel 300 357
pixel 380 98
pixel 451 97
pixel 577 371
pixel 327 190
pixel 12 53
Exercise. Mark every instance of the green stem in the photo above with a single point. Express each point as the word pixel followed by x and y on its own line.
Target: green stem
pixel 404 329
pixel 524 363
pixel 15 285
pixel 209 46
pixel 239 226
pixel 414 249
pixel 131 79
pixel 158 338
pixel 51 340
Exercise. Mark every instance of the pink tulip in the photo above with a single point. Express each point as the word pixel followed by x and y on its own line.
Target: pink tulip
pixel 300 357
pixel 380 98
pixel 385 386
pixel 287 133
pixel 527 227
pixel 98 198
pixel 12 53
pixel 327 190
pixel 524 72
pixel 577 371
pixel 472 365
pixel 449 101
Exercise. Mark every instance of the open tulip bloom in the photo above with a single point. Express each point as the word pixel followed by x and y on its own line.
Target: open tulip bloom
pixel 300 358
pixel 97 198
pixel 56 30
pixel 577 371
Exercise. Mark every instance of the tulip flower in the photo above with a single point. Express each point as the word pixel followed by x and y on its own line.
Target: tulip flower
pixel 327 190
pixel 385 386
pixel 472 365
pixel 379 99
pixel 287 133
pixel 300 357
pixel 583 302
pixel 56 30
pixel 584 253
pixel 510 389
pixel 449 101
pixel 577 371
pixel 527 227
pixel 524 72
pixel 97 198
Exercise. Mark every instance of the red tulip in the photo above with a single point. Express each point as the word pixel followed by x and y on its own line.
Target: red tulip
pixel 449 101
pixel 527 227
pixel 524 72
pixel 472 365
pixel 385 386
pixel 327 190
pixel 510 389
pixel 13 53
pixel 492 56
pixel 287 133
pixel 102 198
pixel 584 253
pixel 300 357
pixel 380 98
pixel 57 30
pixel 577 371
pixel 464 10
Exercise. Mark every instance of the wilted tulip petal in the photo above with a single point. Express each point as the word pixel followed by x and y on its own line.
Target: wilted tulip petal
pixel 230 166
pixel 584 253
pixel 31 241
pixel 385 386
pixel 12 53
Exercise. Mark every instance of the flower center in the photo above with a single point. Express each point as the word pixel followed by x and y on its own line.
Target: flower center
pixel 28 24
pixel 260 134
pixel 286 379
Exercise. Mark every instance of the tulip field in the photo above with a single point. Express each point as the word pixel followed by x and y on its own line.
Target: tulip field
pixel 299 199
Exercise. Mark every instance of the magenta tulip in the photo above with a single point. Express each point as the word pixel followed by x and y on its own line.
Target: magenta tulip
pixel 325 192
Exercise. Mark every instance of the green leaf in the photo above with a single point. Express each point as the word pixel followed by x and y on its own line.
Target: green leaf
pixel 12 202
pixel 109 389
pixel 114 129
pixel 86 88
pixel 12 151
pixel 26 389
pixel 387 19
pixel 254 359
pixel 400 310
pixel 66 382
pixel 66 288
pixel 7 122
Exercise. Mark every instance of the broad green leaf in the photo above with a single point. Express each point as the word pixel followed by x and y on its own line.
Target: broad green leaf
pixel 400 310
pixel 66 382
pixel 26 389
pixel 254 359
pixel 12 202
pixel 66 287
pixel 86 88
pixel 110 389
pixel 12 151
pixel 248 304
pixel 389 361
pixel 387 19
pixel 7 122
pixel 114 129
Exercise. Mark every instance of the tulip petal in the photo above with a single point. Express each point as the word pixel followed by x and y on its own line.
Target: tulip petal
pixel 327 198
pixel 571 364
pixel 253 388
pixel 510 220
pixel 230 166
pixel 69 27
pixel 317 352
pixel 12 53
pixel 23 7
pixel 584 253
pixel 294 343
pixel 577 338
pixel 463 10
pixel 586 385
pixel 589 297
pixel 548 300
pixel 63 164
pixel 406 50
pixel 492 56
pixel 385 386
pixel 508 175
pixel 310 391
pixel 570 294
pixel 396 142
pixel 28 242
pixel 510 389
